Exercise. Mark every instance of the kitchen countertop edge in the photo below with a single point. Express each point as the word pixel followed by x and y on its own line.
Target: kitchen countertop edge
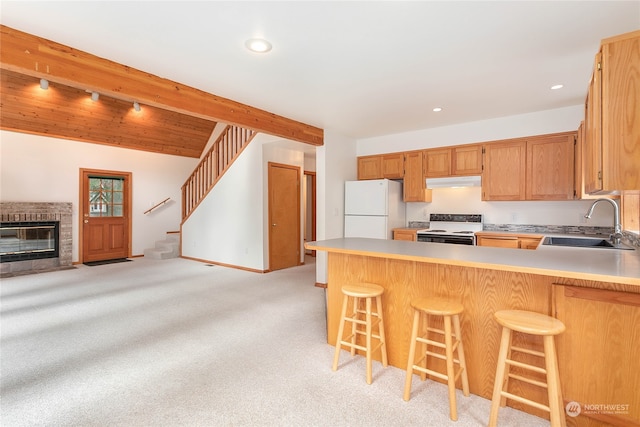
pixel 602 265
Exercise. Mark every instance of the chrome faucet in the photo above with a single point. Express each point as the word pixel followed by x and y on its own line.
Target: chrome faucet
pixel 616 237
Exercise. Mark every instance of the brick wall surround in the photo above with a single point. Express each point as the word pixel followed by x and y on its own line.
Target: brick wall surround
pixel 40 211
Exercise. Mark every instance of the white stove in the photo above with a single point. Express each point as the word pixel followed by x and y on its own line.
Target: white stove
pixel 452 228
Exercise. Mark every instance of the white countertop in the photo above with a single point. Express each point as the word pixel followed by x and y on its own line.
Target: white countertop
pixel 603 265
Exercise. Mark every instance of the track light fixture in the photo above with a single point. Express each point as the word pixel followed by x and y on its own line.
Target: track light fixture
pixel 44 84
pixel 95 96
pixel 136 106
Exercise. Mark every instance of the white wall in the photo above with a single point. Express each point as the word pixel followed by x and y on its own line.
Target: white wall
pixel 469 200
pixel 231 226
pixel 41 169
pixel 543 122
pixel 335 164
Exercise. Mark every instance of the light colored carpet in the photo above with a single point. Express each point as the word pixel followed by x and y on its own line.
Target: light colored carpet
pixel 180 343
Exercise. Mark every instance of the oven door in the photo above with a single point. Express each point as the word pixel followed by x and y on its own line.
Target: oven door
pixel 439 238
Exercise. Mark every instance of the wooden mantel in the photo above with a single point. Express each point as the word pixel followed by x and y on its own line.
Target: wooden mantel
pixel 38 57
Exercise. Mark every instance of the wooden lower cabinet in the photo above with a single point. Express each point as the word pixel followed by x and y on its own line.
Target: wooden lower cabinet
pixel 598 353
pixel 405 234
pixel 510 240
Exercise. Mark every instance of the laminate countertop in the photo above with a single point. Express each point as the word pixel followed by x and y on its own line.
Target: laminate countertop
pixel 603 265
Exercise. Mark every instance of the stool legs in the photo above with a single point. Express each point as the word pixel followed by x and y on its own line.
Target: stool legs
pixel 449 346
pixel 368 339
pixel 501 370
pixel 382 338
pixel 553 383
pixel 343 314
pixel 500 388
pixel 462 361
pixel 356 319
pixel 412 355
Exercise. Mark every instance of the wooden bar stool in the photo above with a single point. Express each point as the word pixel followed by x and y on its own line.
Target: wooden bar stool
pixel 535 324
pixel 362 317
pixel 449 311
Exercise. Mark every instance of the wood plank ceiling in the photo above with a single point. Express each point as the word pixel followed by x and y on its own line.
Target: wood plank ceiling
pixel 66 112
pixel 175 118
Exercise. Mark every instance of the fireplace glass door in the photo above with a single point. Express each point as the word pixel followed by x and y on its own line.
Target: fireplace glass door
pixel 28 240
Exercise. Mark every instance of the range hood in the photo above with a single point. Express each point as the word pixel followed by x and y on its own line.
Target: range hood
pixel 454 181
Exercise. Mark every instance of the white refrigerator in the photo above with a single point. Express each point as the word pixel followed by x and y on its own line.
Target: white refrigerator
pixel 372 208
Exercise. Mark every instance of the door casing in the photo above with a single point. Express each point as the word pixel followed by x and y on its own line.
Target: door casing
pixel 83 197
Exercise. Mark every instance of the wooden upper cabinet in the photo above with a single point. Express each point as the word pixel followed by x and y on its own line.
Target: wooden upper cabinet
pixel 437 162
pixel 466 160
pixel 393 166
pixel 415 188
pixel 550 167
pixel 612 149
pixel 504 175
pixel 592 154
pixel 370 167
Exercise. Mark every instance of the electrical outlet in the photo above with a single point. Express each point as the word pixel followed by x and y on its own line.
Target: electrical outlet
pixel 514 217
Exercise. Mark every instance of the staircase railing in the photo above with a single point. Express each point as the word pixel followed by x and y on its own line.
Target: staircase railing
pixel 213 165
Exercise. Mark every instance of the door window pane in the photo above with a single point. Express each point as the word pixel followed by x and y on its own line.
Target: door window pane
pixel 106 197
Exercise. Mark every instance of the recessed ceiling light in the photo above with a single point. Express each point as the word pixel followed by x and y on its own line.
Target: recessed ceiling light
pixel 555 87
pixel 258 45
pixel 437 109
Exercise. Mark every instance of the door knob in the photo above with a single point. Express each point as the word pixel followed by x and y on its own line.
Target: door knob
pixel 86 221
pixel 273 225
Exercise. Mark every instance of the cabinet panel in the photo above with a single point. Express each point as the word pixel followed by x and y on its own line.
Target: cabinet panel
pixel 621 114
pixel 402 234
pixel 466 160
pixel 393 166
pixel 514 241
pixel 504 171
pixel 437 163
pixel 498 241
pixel 370 167
pixel 598 353
pixel 612 149
pixel 593 133
pixel 550 168
pixel 415 188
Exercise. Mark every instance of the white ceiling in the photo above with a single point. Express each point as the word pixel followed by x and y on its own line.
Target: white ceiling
pixel 361 68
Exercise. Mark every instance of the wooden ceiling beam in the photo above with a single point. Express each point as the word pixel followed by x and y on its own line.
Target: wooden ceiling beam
pixel 35 56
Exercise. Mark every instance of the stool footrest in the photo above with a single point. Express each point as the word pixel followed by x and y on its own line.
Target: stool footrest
pixel 528 380
pixel 528 351
pixel 430 372
pixel 438 356
pixel 350 345
pixel 525 401
pixel 437 343
pixel 526 366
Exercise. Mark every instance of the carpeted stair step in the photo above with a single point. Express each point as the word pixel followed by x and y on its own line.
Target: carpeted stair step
pixel 165 249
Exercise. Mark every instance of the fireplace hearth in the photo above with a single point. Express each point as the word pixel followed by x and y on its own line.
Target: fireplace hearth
pixel 35 237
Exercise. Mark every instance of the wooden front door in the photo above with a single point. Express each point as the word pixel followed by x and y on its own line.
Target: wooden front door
pixel 284 216
pixel 105 200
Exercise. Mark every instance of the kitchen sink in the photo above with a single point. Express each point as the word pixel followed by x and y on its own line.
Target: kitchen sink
pixel 583 242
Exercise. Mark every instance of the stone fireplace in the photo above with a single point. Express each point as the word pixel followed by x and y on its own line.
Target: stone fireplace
pixel 35 237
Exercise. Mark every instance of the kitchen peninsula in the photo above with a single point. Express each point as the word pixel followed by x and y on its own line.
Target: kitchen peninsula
pixel 595 292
